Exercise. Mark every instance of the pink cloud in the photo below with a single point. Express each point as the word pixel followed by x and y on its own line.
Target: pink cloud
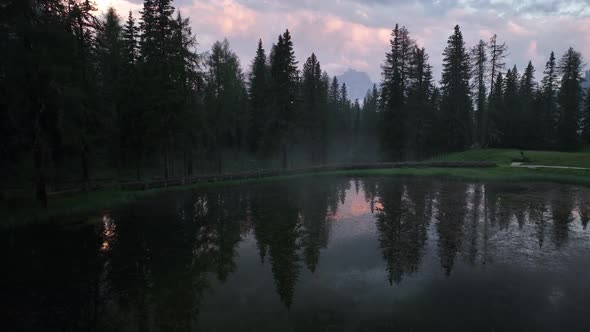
pixel 352 34
pixel 485 34
pixel 227 16
pixel 533 53
pixel 517 29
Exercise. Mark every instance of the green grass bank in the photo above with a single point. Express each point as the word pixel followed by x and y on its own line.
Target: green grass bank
pixel 73 207
pixel 505 157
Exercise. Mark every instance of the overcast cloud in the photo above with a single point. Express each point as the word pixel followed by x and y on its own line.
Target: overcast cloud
pixel 355 34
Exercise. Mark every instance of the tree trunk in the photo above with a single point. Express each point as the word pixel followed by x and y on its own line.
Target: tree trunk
pixel 40 186
pixel 189 163
pixel 219 162
pixel 166 161
pixel 138 165
pixel 323 152
pixel 85 171
pixel 284 156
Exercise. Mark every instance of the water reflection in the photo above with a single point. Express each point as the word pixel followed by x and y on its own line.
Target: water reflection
pixel 403 217
pixel 177 262
pixel 108 233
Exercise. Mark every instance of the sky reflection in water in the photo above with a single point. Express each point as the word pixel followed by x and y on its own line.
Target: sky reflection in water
pixel 312 254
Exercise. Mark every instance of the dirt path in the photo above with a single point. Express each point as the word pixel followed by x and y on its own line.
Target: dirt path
pixel 521 165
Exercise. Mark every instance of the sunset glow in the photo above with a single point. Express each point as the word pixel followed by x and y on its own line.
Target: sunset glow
pixel 358 31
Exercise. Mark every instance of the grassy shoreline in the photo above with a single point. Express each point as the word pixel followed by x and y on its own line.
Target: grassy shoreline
pixel 71 208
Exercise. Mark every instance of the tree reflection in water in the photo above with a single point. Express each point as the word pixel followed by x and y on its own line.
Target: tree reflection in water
pixel 402 222
pixel 152 264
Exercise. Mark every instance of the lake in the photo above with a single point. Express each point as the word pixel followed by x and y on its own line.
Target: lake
pixel 311 254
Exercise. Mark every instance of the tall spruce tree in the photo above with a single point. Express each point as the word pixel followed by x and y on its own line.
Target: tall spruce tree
pixel 356 121
pixel 547 101
pixel 526 92
pixel 81 119
pixel 34 78
pixel 156 44
pixel 394 89
pixel 479 65
pixel 496 107
pixel 132 119
pixel 225 97
pixel 284 91
pixel 258 90
pixel 334 92
pixel 314 110
pixel 334 127
pixel 344 118
pixel 187 81
pixel 110 54
pixel 456 105
pixel 420 113
pixel 569 100
pixel 511 115
pixel 585 122
pixel 369 125
pixel 369 111
pixel 497 57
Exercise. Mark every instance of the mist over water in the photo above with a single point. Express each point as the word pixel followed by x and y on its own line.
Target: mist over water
pixel 318 253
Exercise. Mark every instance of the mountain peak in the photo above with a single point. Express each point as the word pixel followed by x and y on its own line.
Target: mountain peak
pixel 357 83
pixel 586 80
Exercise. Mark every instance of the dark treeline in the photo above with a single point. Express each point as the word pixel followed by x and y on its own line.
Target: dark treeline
pixel 477 103
pixel 84 97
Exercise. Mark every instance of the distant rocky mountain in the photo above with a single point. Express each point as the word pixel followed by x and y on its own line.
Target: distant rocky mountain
pixel 357 83
pixel 585 82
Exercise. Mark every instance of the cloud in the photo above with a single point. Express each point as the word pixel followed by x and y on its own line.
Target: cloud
pixel 355 33
pixel 122 6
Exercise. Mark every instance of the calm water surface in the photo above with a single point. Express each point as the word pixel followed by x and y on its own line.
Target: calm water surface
pixel 316 254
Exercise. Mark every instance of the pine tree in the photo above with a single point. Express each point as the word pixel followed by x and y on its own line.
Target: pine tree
pixel 225 95
pixel 345 117
pixel 394 89
pixel 369 111
pixel 110 77
pixel 284 78
pixel 258 93
pixel 187 82
pixel 344 100
pixel 132 119
pixel 130 36
pixel 334 126
pixel 526 92
pixel 334 93
pixel 547 102
pixel 420 112
pixel 325 112
pixel 456 102
pixel 585 124
pixel 369 125
pixel 356 122
pixel 479 65
pixel 569 99
pixel 157 49
pixel 497 112
pixel 36 61
pixel 511 115
pixel 314 109
pixel 497 56
pixel 82 116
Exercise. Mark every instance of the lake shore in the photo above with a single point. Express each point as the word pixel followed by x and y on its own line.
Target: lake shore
pixel 72 207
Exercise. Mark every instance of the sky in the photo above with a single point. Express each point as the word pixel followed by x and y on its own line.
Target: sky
pixel 355 33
